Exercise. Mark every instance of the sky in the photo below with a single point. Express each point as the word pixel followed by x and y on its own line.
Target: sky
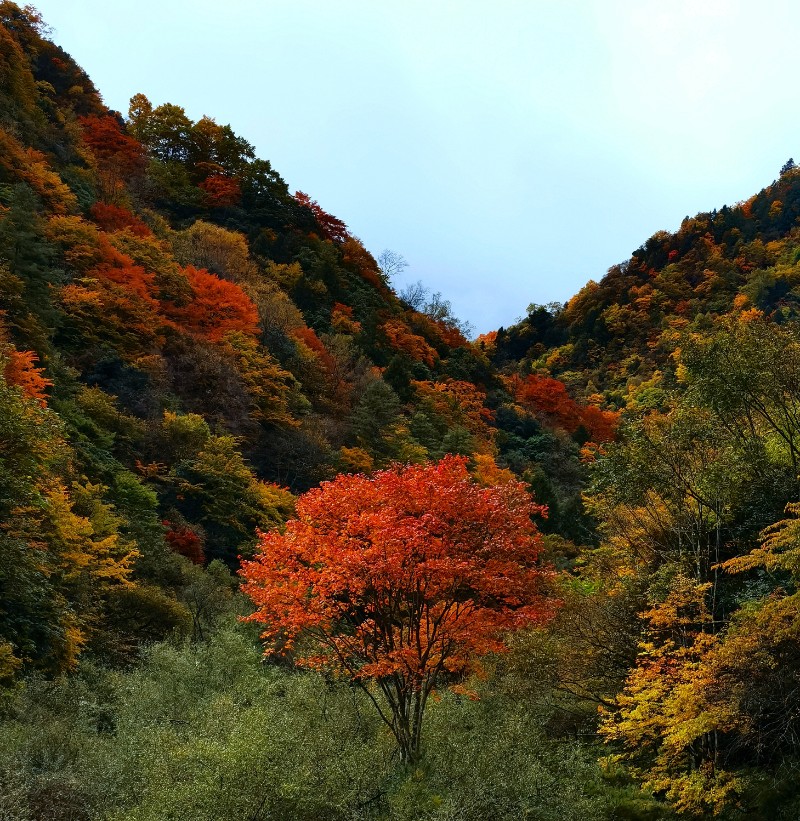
pixel 510 150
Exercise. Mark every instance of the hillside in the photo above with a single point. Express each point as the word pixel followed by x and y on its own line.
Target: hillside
pixel 187 346
pixel 198 366
pixel 614 334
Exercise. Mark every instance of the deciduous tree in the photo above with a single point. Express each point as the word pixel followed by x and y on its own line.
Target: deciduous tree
pixel 402 580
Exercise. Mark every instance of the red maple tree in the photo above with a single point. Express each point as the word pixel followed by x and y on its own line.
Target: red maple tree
pixel 217 307
pixel 113 218
pixel 113 149
pixel 220 191
pixel 184 540
pixel 403 579
pixel 332 228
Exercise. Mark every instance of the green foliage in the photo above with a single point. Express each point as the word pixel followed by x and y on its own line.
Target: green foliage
pixel 130 486
pixel 206 731
pixel 28 254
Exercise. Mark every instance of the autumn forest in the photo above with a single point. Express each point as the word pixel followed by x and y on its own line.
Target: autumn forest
pixel 279 540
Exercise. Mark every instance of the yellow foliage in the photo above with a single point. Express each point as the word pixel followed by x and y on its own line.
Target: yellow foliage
pixel 269 385
pixel 779 549
pixel 356 460
pixel 287 276
pixel 79 240
pixel 31 166
pixel 9 664
pixel 90 544
pixel 275 502
pixel 223 252
pixel 670 714
pixel 487 472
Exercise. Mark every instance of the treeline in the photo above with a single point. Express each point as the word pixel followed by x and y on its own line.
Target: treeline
pixel 615 334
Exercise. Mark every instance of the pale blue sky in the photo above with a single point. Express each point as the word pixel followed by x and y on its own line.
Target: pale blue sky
pixel 510 150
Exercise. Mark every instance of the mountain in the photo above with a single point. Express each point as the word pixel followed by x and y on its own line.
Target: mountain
pixel 186 347
pixel 616 333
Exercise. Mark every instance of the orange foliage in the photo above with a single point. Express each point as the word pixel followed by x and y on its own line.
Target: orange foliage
pixel 548 397
pixel 121 270
pixel 217 307
pixel 112 298
pixel 31 166
pixel 357 256
pixel 113 218
pixel 487 472
pixel 450 335
pixel 21 370
pixel 601 425
pixel 487 342
pixel 458 403
pixel 403 578
pixel 220 191
pixel 403 339
pixel 310 339
pixel 342 319
pixel 106 311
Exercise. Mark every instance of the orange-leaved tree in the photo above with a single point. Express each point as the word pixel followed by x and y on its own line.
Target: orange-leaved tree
pixel 400 582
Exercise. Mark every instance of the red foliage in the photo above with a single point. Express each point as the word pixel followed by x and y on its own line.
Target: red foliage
pixel 549 397
pixel 310 339
pixel 217 308
pixel 114 300
pixel 405 578
pixel 21 370
pixel 402 338
pixel 112 148
pixel 113 218
pixel 118 268
pixel 220 192
pixel 133 279
pixel 184 540
pixel 331 227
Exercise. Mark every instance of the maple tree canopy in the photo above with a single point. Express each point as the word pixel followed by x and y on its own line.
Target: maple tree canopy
pixel 405 578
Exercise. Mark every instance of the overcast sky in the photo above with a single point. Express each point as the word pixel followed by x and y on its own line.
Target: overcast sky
pixel 509 149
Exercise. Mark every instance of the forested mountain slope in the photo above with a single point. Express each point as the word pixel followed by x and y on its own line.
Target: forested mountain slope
pixel 186 347
pixel 615 333
pixel 696 341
